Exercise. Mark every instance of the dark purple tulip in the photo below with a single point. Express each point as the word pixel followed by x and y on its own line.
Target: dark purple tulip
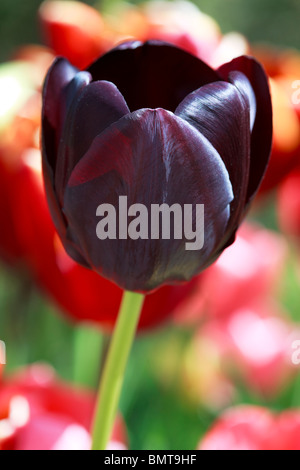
pixel 153 123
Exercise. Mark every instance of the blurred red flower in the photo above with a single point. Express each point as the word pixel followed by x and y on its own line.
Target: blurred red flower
pixel 39 412
pixel 254 428
pixel 255 345
pixel 283 68
pixel 19 132
pixel 249 270
pixel 289 205
pixel 80 33
pixel 74 30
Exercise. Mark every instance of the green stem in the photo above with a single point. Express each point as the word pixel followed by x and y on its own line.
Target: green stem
pixel 88 342
pixel 113 374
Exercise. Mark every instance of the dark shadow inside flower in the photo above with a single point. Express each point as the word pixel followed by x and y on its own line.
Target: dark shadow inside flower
pixel 152 77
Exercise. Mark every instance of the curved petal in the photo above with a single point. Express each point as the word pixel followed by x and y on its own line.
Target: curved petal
pixel 94 108
pixel 152 157
pixel 221 114
pixel 152 74
pixel 261 137
pixel 68 99
pixel 57 95
pixel 241 82
pixel 60 74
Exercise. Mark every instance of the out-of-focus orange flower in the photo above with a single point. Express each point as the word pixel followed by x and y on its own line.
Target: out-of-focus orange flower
pixel 283 68
pixel 39 412
pixel 287 73
pixel 254 428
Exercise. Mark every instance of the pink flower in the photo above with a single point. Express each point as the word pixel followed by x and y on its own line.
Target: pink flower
pixel 254 428
pixel 256 343
pixel 39 412
pixel 247 271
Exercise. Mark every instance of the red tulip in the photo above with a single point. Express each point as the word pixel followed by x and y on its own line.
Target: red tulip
pixel 79 33
pixel 285 434
pixel 254 428
pixel 10 250
pixel 289 205
pixel 20 134
pixel 248 270
pixel 39 412
pixel 255 342
pixel 179 23
pixel 74 30
pixel 240 428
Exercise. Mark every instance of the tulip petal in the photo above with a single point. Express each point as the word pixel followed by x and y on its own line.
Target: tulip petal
pixel 241 82
pixel 220 113
pixel 95 108
pixel 58 92
pixel 69 98
pixel 261 137
pixel 59 75
pixel 155 157
pixel 152 74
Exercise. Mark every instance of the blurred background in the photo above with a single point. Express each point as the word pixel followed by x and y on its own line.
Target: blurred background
pixel 260 20
pixel 229 342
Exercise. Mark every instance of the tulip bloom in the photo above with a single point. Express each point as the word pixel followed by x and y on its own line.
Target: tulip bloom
pixel 153 123
pixel 38 412
pixel 28 237
pixel 254 428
